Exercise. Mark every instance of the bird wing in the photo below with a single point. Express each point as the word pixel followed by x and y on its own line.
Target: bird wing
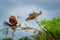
pixel 6 23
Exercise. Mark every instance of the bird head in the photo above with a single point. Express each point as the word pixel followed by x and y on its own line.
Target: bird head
pixel 37 14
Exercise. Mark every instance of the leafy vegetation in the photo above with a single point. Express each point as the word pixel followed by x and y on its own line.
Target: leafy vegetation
pixel 7 39
pixel 52 26
pixel 53 30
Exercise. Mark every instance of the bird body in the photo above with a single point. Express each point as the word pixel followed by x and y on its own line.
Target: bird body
pixel 12 22
pixel 33 15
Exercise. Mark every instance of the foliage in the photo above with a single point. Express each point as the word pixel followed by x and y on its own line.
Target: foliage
pixel 7 39
pixel 53 26
pixel 53 29
pixel 24 38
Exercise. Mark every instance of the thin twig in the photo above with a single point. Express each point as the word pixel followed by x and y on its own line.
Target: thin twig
pixel 25 28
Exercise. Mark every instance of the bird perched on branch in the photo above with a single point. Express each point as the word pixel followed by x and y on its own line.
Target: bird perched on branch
pixel 12 22
pixel 33 15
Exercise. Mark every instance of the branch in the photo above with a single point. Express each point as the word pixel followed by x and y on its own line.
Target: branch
pixel 29 28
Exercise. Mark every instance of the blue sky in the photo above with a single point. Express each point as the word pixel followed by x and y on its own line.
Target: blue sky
pixel 50 9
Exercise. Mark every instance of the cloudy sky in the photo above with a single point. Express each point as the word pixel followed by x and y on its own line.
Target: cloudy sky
pixel 21 8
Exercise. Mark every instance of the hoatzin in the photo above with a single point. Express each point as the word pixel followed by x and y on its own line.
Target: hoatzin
pixel 33 15
pixel 12 22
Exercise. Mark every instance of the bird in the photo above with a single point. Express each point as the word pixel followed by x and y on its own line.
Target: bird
pixel 33 15
pixel 12 22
